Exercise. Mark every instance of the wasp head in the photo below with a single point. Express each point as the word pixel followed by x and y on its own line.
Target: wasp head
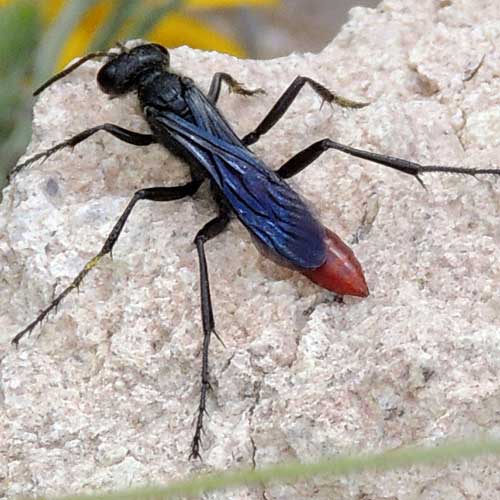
pixel 122 73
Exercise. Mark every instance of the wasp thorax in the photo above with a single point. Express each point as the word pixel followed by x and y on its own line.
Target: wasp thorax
pixel 122 73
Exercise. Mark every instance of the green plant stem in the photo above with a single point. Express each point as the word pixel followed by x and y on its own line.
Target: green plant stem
pixel 55 37
pixel 110 30
pixel 286 473
pixel 150 17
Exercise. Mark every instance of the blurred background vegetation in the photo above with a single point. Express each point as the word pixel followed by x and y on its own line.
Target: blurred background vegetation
pixel 39 37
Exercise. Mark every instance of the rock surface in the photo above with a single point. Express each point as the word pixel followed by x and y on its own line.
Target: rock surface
pixel 105 395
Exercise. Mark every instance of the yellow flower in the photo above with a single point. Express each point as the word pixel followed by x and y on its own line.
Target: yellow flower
pixel 174 30
pixel 78 41
pixel 177 29
pixel 219 4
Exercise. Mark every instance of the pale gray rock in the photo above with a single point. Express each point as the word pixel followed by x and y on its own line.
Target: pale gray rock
pixel 104 395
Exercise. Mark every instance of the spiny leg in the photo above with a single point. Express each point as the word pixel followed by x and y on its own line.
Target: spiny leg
pixel 153 194
pixel 286 99
pixel 305 157
pixel 129 136
pixel 234 86
pixel 207 232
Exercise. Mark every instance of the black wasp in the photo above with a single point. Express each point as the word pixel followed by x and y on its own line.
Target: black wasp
pixel 188 124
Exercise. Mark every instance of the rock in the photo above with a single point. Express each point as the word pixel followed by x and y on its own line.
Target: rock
pixel 105 394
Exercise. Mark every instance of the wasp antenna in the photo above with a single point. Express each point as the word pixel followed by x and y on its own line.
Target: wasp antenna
pixel 123 48
pixel 69 69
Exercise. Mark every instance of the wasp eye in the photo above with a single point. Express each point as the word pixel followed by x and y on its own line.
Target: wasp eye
pixel 116 77
pixel 106 78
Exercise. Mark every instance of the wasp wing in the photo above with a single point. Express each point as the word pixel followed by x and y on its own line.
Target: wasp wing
pixel 268 207
pixel 208 117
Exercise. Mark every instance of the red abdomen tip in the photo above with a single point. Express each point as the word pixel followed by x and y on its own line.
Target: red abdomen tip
pixel 341 272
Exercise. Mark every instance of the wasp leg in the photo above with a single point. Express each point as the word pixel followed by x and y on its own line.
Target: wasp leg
pixel 305 157
pixel 206 233
pixel 234 86
pixel 153 194
pixel 121 133
pixel 286 99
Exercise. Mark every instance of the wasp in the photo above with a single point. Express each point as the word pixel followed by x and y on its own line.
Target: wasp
pixel 187 123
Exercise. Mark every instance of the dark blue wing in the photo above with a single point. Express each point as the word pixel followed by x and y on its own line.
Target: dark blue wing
pixel 208 118
pixel 274 213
